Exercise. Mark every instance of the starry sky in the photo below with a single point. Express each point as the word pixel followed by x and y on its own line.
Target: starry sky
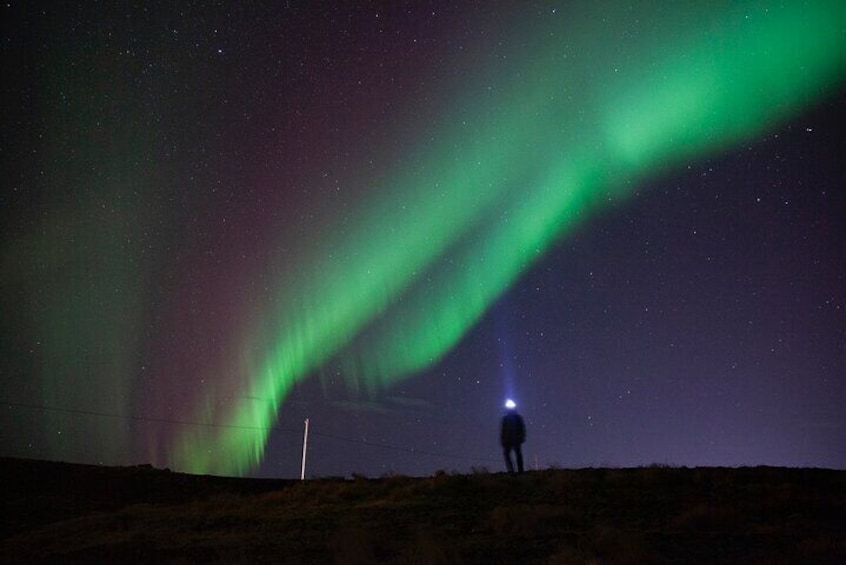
pixel 220 220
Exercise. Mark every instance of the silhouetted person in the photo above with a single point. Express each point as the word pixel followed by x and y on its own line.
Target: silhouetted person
pixel 512 435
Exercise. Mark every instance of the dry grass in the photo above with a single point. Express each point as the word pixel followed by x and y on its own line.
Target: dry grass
pixel 646 515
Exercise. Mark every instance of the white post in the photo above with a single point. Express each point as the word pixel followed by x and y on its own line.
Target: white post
pixel 305 446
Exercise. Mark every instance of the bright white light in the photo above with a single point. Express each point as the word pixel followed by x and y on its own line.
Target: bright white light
pixel 510 404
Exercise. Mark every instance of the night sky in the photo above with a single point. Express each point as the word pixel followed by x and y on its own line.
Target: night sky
pixel 220 219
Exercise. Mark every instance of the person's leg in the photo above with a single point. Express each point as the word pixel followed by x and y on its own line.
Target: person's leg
pixel 518 451
pixel 506 451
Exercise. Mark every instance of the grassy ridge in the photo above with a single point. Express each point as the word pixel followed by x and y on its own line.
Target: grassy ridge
pixel 67 513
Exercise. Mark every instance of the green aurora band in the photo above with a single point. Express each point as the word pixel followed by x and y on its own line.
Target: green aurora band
pixel 576 118
pixel 83 267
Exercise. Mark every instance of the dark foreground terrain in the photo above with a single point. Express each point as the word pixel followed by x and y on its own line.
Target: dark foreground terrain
pixel 57 512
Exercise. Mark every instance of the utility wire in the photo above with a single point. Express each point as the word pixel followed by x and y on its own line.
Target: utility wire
pixel 386 446
pixel 411 450
pixel 143 418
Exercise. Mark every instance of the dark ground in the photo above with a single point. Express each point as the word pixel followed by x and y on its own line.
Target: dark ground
pixel 59 512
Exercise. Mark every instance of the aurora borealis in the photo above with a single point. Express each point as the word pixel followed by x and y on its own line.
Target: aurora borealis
pixel 222 220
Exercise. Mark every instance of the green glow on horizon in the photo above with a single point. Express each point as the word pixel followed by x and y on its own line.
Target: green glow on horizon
pixel 79 271
pixel 395 285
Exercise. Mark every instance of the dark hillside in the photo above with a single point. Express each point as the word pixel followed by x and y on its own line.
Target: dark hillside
pixel 57 512
pixel 36 493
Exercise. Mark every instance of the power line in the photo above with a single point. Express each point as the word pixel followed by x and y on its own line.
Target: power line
pixel 386 446
pixel 144 418
pixel 410 450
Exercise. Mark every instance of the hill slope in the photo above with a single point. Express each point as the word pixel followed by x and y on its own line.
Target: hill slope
pixel 76 513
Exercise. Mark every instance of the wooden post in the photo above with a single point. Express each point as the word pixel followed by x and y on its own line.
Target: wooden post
pixel 305 446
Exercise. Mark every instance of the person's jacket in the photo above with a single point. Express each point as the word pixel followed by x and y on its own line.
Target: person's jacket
pixel 513 430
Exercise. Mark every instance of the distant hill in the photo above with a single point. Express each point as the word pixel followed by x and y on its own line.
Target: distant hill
pixel 60 512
